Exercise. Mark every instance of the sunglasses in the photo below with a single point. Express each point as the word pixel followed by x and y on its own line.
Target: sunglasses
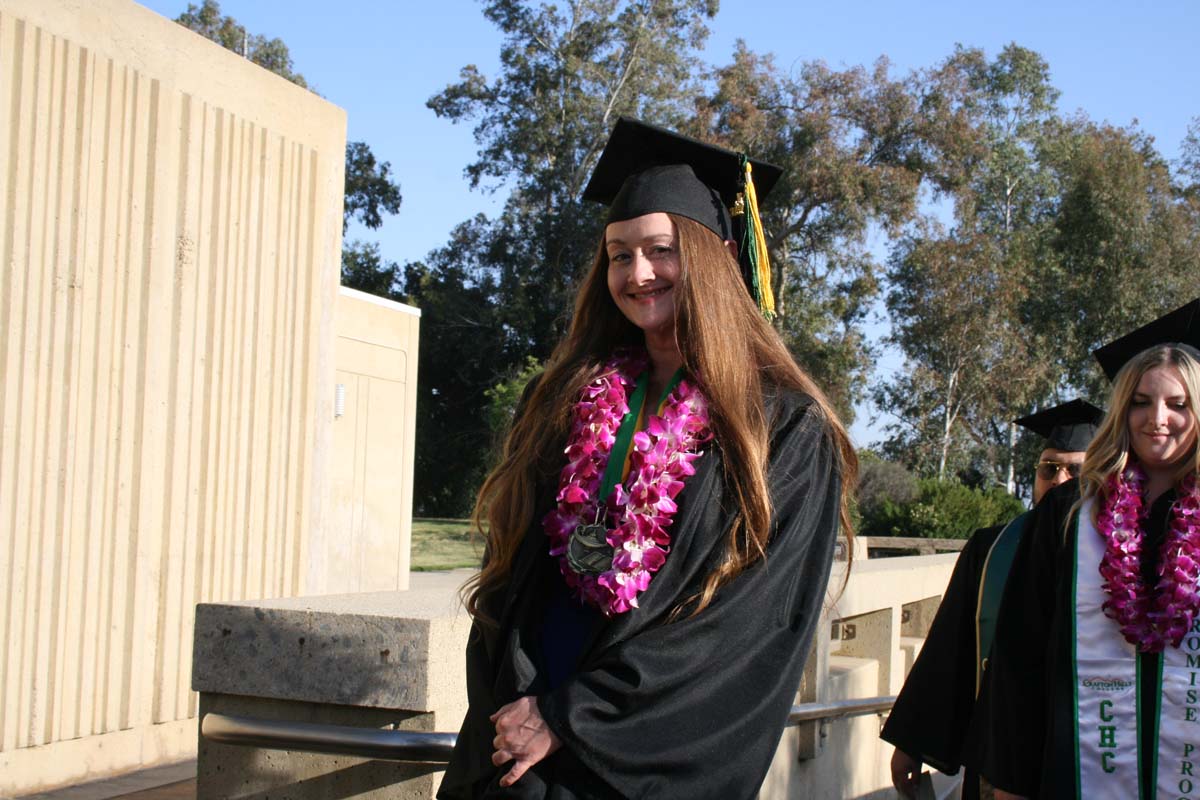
pixel 1048 470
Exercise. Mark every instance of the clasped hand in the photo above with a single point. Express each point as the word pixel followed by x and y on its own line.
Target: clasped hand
pixel 906 773
pixel 522 737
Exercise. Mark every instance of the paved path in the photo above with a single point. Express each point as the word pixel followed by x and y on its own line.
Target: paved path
pixel 168 782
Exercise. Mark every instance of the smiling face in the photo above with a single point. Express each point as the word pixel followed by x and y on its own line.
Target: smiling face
pixel 643 267
pixel 1162 428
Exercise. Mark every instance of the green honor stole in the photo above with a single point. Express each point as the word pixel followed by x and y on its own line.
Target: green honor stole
pixel 991 590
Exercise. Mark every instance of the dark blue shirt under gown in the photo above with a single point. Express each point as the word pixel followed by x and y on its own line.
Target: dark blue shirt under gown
pixel 565 630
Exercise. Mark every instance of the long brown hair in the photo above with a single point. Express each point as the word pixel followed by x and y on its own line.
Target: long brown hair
pixel 724 340
pixel 1108 454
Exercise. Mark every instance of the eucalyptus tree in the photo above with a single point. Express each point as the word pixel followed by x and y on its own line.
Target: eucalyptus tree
pixel 851 146
pixel 966 284
pixel 1124 246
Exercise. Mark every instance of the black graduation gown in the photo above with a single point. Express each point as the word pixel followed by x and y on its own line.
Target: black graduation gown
pixel 933 710
pixel 1023 733
pixel 692 708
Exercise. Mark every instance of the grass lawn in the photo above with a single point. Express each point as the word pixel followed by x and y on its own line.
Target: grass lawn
pixel 444 544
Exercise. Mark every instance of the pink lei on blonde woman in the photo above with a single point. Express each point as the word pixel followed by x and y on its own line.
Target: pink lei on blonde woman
pixel 1150 620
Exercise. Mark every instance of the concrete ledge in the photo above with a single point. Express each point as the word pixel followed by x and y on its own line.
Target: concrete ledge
pixel 904 579
pixel 394 650
pixel 381 660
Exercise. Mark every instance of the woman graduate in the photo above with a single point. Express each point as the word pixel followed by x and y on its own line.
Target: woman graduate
pixel 663 517
pixel 1092 686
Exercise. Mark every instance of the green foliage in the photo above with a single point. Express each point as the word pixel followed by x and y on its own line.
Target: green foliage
pixel 1066 234
pixel 1124 246
pixel 363 268
pixel 1010 101
pixel 881 481
pixel 1189 161
pixel 565 75
pixel 850 145
pixel 505 395
pixel 956 296
pixel 270 54
pixel 370 189
pixel 942 510
pixel 953 303
pixel 463 346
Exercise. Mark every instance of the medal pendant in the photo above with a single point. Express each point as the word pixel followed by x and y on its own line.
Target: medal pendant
pixel 588 550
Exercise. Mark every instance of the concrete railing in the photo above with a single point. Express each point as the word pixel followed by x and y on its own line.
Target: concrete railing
pixel 888 545
pixel 869 636
pixel 393 661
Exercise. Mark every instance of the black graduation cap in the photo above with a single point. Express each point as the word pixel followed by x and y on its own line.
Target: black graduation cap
pixel 646 169
pixel 1181 325
pixel 1068 426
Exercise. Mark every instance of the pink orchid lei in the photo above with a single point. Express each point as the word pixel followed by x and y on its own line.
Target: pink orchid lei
pixel 638 514
pixel 1150 621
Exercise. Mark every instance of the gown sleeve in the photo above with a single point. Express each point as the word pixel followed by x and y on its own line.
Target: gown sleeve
pixel 1009 733
pixel 933 710
pixel 696 707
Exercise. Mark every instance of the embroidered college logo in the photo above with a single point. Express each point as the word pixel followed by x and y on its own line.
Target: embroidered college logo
pixel 1107 684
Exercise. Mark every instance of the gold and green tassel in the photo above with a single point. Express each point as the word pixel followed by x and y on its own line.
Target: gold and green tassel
pixel 754 246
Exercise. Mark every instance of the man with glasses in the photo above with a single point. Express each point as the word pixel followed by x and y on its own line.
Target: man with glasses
pixel 1066 440
pixel 933 710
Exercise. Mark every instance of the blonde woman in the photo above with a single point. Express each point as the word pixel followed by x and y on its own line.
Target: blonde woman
pixel 661 523
pixel 1092 688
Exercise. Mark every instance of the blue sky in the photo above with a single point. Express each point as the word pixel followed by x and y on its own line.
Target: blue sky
pixel 381 61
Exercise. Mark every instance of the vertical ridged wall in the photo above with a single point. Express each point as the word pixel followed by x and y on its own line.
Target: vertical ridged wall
pixel 169 231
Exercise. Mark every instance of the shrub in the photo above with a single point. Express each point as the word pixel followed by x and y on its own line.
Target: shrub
pixel 880 480
pixel 942 510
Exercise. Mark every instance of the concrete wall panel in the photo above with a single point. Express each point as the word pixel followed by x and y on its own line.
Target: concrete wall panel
pixel 169 240
pixel 369 524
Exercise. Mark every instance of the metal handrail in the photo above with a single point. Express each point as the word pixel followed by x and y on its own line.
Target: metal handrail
pixel 313 737
pixel 426 748
pixel 840 709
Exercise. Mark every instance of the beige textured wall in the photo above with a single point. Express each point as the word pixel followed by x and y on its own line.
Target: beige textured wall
pixel 169 236
pixel 368 530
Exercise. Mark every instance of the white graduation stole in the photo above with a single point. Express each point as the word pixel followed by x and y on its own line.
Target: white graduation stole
pixel 1107 691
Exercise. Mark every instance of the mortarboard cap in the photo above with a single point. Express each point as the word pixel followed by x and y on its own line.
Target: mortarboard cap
pixel 646 169
pixel 1069 426
pixel 1179 326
